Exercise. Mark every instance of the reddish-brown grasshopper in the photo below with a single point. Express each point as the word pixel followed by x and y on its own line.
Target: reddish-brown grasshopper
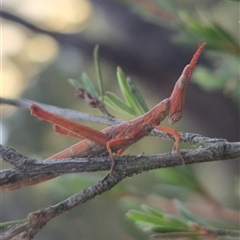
pixel 116 138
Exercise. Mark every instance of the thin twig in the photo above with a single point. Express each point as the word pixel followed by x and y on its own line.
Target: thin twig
pixel 208 232
pixel 220 232
pixel 188 138
pixel 68 113
pixel 39 218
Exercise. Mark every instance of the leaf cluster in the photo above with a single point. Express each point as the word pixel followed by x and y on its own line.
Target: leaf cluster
pixel 157 221
pixel 133 103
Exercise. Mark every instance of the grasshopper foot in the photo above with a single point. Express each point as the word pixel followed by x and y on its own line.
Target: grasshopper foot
pixel 180 155
pixel 112 168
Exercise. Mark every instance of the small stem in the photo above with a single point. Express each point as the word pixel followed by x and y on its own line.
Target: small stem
pixel 221 232
pixel 68 113
pixel 208 232
pixel 178 235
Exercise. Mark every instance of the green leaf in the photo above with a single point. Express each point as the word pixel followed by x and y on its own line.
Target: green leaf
pixel 217 38
pixel 223 33
pixel 146 217
pixel 186 214
pixel 88 86
pixel 126 91
pixel 6 225
pixel 152 211
pixel 179 177
pixel 195 27
pixel 98 71
pixel 116 103
pixel 169 219
pixel 75 83
pixel 167 229
pixel 176 221
pixel 206 79
pixel 142 106
pixel 85 84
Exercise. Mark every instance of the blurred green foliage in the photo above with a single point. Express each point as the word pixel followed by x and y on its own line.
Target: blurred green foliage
pixel 157 221
pixel 192 28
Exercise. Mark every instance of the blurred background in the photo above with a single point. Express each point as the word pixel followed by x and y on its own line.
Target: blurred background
pixel 44 43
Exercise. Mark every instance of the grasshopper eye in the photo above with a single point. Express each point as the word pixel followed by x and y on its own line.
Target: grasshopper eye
pixel 182 81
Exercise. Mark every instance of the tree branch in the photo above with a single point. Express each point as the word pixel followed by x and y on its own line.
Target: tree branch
pixel 39 218
pixel 28 169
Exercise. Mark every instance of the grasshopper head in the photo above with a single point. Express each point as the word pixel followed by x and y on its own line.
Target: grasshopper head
pixel 177 97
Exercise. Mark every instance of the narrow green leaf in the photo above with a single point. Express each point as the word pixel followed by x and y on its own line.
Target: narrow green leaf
pixel 195 29
pixel 222 32
pixel 88 86
pixel 126 90
pixel 227 40
pixel 207 80
pixel 153 211
pixel 186 214
pixel 176 221
pixel 98 71
pixel 171 220
pixel 146 217
pixel 116 103
pixel 5 225
pixel 179 177
pixel 142 106
pixel 75 83
pixel 167 229
pixel 145 226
